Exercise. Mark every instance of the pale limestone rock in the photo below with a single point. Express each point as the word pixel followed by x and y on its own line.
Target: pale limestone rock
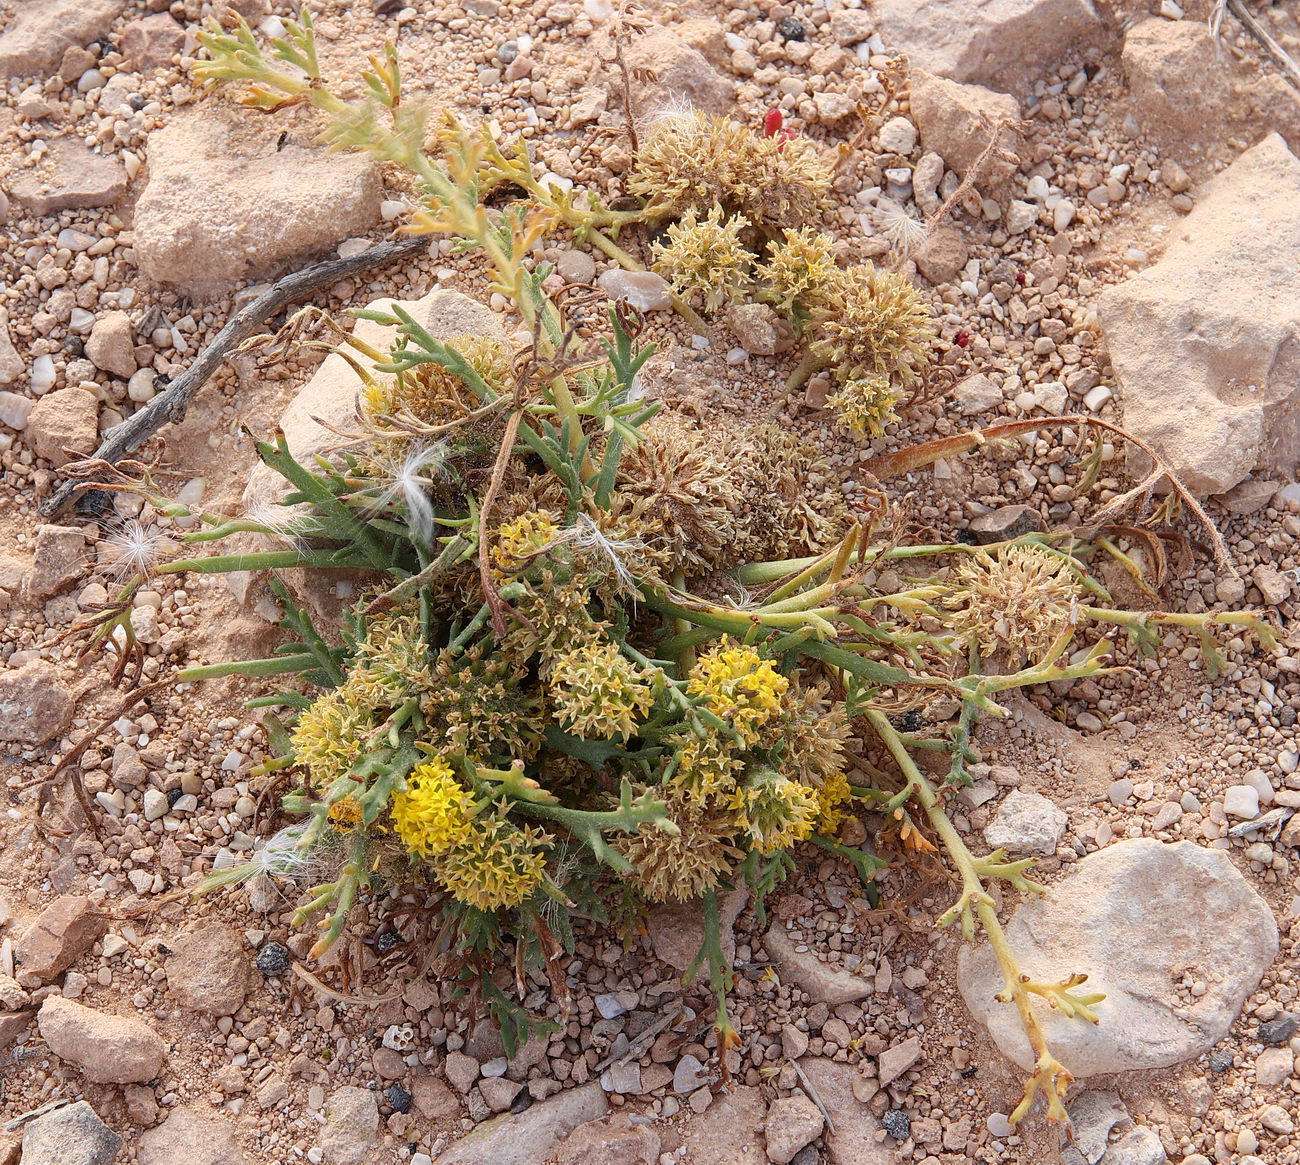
pixel 109 1049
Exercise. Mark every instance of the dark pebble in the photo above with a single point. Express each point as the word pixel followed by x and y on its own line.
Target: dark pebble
pixel 174 795
pixel 399 1098
pixel 387 941
pixel 272 959
pixel 1220 1061
pixel 522 1101
pixel 74 346
pixel 808 1155
pixel 791 29
pixel 1280 1030
pixel 1286 717
pixel 897 1124
pixel 507 52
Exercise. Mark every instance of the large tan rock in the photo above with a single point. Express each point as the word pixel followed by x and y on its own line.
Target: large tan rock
pixel 42 30
pixel 532 1135
pixel 109 1049
pixel 1135 917
pixel 64 425
pixel 225 200
pixel 71 176
pixel 1206 343
pixel 209 970
pixel 34 704
pixel 667 69
pixel 956 121
pixel 193 1135
pixel 854 1137
pixel 999 43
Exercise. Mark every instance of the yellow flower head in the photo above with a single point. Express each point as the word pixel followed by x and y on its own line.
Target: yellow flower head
pixel 326 737
pixel 798 266
pixel 833 794
pixel 598 692
pixel 518 540
pixel 1022 598
pixel 704 257
pixel 779 811
pixel 866 405
pixel 433 813
pixel 706 765
pixel 740 686
pixel 496 865
pixel 345 813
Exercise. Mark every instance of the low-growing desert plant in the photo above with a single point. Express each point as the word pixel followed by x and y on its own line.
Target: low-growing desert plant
pixel 573 686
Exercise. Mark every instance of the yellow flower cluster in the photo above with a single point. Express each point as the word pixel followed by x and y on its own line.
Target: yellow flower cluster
pixel 706 765
pixel 705 257
pixel 833 794
pixel 864 406
pixel 739 686
pixel 778 811
pixel 797 267
pixel 497 865
pixel 433 814
pixel 520 539
pixel 598 692
pixel 345 813
pixel 326 739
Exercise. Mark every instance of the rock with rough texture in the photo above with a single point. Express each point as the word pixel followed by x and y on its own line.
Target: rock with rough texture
pixel 792 1122
pixel 896 1060
pixel 943 254
pixel 678 71
pixel 192 1135
pixel 111 344
pixel 109 1049
pixel 351 1125
pixel 677 930
pixel 620 1139
pixel 1165 63
pixel 209 970
pixel 853 1138
pixel 34 706
pixel 222 204
pixel 1133 917
pixel 1026 823
pixel 1139 1146
pixel 152 42
pixel 63 425
pixel 730 1131
pixel 59 558
pixel 1205 343
pixel 72 1135
pixel 12 364
pixel 976 394
pixel 70 177
pixel 956 122
pixel 760 330
pixel 60 934
pixel 822 982
pixel 1004 523
pixel 530 1136
pixel 1093 1115
pixel 42 30
pixel 1004 44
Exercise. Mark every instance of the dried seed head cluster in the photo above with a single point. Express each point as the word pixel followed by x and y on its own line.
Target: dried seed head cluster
pixel 704 259
pixel 797 267
pixel 1021 598
pixel 695 161
pixel 678 867
pixel 866 405
pixel 778 812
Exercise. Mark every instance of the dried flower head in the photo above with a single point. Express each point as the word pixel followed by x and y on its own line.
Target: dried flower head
pixel 797 267
pixel 739 686
pixel 697 161
pixel 670 868
pixel 133 550
pixel 676 490
pixel 866 405
pixel 433 813
pixel 497 865
pixel 905 233
pixel 870 322
pixel 778 812
pixel 599 693
pixel 483 706
pixel 431 394
pixel 704 258
pixel 811 732
pixel 1021 597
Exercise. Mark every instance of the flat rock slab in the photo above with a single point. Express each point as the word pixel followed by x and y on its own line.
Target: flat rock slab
pixel 41 31
pixel 998 43
pixel 1206 342
pixel 823 982
pixel 532 1135
pixel 1136 917
pixel 71 176
pixel 226 200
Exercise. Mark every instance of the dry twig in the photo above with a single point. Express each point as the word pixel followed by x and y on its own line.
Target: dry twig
pixel 169 406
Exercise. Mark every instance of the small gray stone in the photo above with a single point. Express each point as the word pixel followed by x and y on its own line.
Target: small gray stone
pixel 576 267
pixel 688 1075
pixel 1005 523
pixel 1026 823
pixel 895 1061
pixel 643 290
pixel 1279 1030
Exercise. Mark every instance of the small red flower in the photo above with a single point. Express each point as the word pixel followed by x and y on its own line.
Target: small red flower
pixel 963 339
pixel 1020 278
pixel 773 123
